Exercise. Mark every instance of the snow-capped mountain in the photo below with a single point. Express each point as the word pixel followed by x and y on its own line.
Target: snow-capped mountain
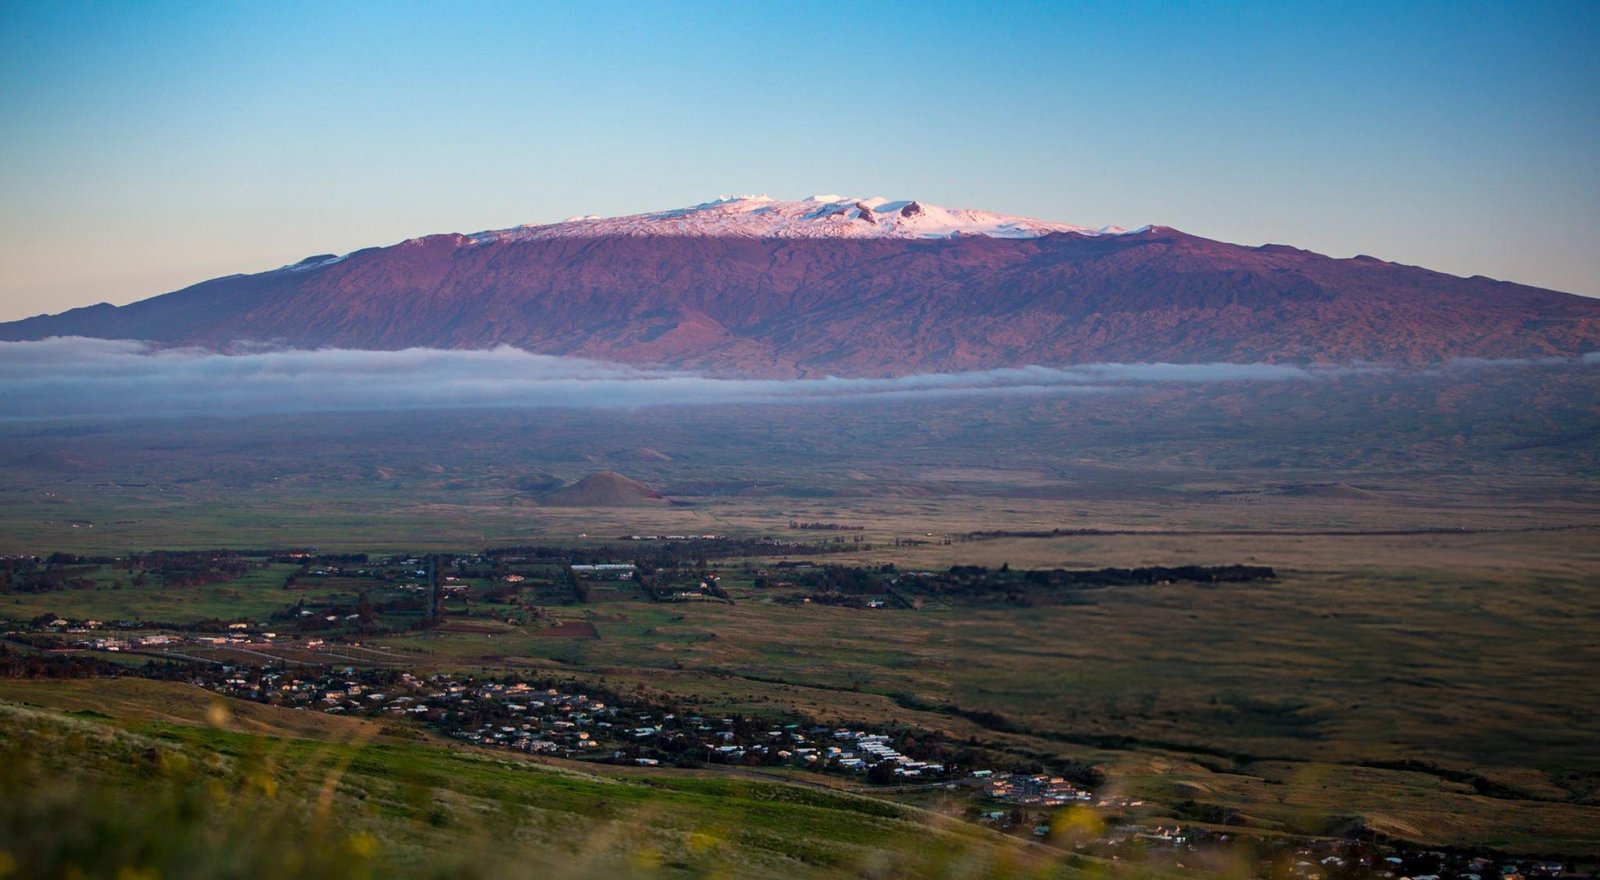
pixel 754 286
pixel 822 216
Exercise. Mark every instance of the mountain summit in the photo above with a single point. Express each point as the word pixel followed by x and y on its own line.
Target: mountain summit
pixel 855 287
pixel 826 216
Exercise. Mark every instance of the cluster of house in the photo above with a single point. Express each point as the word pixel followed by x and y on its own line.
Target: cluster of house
pixel 112 643
pixel 525 717
pixel 603 570
pixel 1044 790
pixel 534 720
pixel 693 590
pixel 236 635
pixel 1038 789
pixel 1276 857
pixel 866 750
pixel 1332 858
pixel 1343 858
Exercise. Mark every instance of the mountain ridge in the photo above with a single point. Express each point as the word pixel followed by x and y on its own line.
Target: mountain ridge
pixel 905 299
pixel 819 216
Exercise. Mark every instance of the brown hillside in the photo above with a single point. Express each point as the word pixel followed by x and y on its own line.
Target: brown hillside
pixel 846 307
pixel 604 489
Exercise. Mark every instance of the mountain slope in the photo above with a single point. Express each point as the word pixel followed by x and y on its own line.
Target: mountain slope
pixel 757 288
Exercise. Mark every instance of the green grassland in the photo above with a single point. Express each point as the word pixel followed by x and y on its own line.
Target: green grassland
pixel 1438 688
pixel 1364 454
pixel 361 516
pixel 270 796
pixel 253 596
pixel 1328 699
pixel 1424 665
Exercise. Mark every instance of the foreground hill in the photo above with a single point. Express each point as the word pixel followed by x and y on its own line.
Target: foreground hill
pixel 229 799
pixel 849 287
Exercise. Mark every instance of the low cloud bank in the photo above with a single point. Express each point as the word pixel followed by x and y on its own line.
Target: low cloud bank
pixel 79 377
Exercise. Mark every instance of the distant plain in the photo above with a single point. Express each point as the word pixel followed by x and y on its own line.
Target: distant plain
pixel 1421 667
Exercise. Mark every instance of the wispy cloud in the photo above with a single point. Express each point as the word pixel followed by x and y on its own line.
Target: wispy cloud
pixel 78 377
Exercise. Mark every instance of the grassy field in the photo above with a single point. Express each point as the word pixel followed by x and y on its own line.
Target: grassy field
pixel 1381 682
pixel 1354 695
pixel 220 793
pixel 254 596
pixel 1422 666
pixel 361 517
pixel 1362 455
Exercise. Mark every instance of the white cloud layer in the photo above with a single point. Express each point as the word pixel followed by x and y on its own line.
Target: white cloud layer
pixel 78 377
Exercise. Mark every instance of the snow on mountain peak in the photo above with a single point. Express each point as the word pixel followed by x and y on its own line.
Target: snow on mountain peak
pixel 819 216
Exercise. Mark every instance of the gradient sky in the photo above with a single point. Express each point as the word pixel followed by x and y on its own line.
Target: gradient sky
pixel 147 146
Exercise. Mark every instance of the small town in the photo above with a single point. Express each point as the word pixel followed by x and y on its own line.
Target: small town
pixel 337 644
pixel 565 720
pixel 571 723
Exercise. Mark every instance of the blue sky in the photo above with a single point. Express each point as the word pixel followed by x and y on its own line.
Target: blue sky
pixel 148 146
